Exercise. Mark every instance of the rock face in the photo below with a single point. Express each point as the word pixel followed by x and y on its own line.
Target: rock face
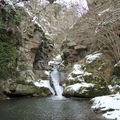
pixel 13 89
pixel 36 48
pixel 23 48
pixel 72 51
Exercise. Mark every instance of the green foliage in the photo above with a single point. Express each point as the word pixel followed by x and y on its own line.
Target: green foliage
pixel 8 56
pixel 9 41
pixel 8 17
pixel 22 67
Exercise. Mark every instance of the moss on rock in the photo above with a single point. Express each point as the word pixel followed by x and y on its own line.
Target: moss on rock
pixel 15 89
pixel 87 92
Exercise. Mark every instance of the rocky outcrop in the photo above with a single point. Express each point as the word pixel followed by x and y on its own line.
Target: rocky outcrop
pixel 13 89
pixel 36 48
pixel 24 47
pixel 72 51
pixel 90 78
pixel 85 90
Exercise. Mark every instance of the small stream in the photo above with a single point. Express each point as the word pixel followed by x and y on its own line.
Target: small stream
pixel 46 109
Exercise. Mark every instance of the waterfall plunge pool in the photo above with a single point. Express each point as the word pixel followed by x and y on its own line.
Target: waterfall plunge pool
pixel 47 109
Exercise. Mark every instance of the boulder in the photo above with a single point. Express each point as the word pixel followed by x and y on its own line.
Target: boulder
pixel 85 90
pixel 13 89
pixel 90 78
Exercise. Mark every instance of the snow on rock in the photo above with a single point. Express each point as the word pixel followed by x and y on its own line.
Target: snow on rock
pixel 110 104
pixel 44 83
pixel 43 2
pixel 114 115
pixel 78 71
pixel 80 6
pixel 20 4
pixel 47 73
pixel 91 57
pixel 104 11
pixel 114 89
pixel 117 64
pixel 10 3
pixel 33 16
pixel 56 61
pixel 77 86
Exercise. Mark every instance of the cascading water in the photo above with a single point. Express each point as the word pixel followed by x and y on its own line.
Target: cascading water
pixel 55 77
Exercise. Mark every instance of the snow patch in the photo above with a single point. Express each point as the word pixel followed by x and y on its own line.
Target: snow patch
pixel 20 4
pixel 80 6
pixel 113 115
pixel 77 86
pixel 104 11
pixel 78 71
pixel 92 57
pixel 106 103
pixel 10 3
pixel 44 83
pixel 56 62
pixel 33 16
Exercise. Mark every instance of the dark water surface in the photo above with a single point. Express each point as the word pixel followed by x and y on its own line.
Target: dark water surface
pixel 46 109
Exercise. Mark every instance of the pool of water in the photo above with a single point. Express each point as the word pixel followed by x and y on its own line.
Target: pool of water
pixel 46 109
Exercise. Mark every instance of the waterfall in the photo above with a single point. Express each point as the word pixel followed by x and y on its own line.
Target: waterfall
pixel 56 77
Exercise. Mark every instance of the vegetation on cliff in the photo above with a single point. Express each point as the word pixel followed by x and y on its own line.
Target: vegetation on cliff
pixel 9 41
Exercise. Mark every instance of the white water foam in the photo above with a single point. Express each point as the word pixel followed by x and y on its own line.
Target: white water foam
pixel 55 76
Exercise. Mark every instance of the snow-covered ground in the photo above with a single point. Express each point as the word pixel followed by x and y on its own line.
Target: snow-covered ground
pixel 109 104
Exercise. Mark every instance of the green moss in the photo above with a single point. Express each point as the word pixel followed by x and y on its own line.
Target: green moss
pixel 23 67
pixel 116 71
pixel 9 41
pixel 98 90
pixel 98 65
pixel 20 12
pixel 71 82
